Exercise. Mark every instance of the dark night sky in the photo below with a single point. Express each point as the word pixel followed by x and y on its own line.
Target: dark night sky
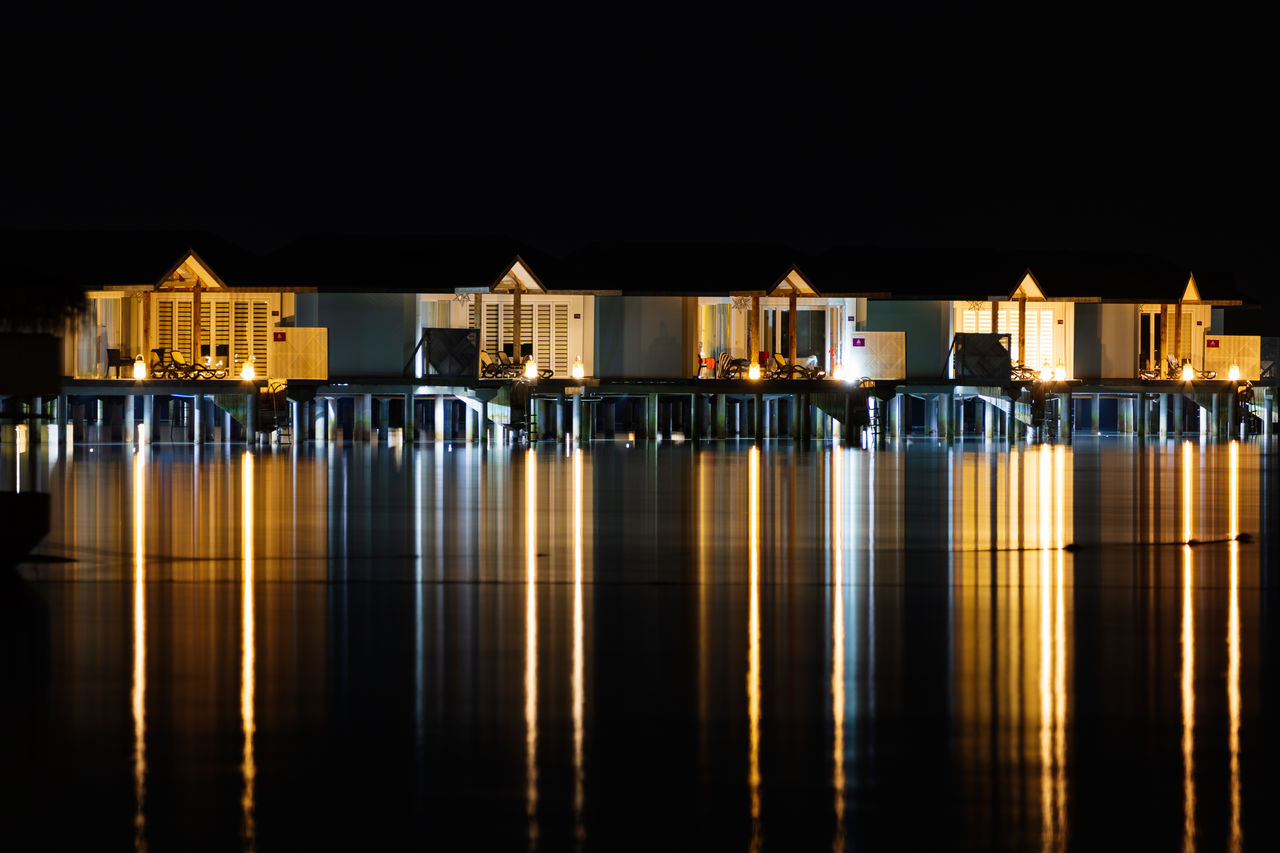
pixel 913 128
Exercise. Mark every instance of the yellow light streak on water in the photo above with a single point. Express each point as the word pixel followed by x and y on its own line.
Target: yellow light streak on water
pixel 531 645
pixel 753 638
pixel 1186 491
pixel 1046 661
pixel 837 642
pixel 579 697
pixel 1233 648
pixel 138 697
pixel 1188 665
pixel 247 652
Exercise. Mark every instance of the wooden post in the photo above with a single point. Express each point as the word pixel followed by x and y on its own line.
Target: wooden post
pixel 720 417
pixel 515 321
pixel 1164 341
pixel 753 352
pixel 437 412
pixel 1177 333
pixel 1022 329
pixel 791 329
pixel 758 418
pixel 409 418
pixel 195 323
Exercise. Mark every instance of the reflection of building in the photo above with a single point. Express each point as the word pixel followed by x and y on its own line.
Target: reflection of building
pixel 374 334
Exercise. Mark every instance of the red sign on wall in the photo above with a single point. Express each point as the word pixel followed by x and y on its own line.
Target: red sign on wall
pixel 277 336
pixel 1211 343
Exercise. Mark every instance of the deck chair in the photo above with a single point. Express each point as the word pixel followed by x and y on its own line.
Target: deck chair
pixel 114 359
pixel 489 369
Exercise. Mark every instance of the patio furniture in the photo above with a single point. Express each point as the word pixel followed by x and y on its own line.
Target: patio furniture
pixel 731 368
pixel 116 360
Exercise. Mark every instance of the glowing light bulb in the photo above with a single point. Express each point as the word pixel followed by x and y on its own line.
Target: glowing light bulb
pixel 1046 373
pixel 247 372
pixel 1188 373
pixel 578 370
pixel 753 372
pixel 1234 373
pixel 1060 372
pixel 530 369
pixel 139 368
pixel 837 372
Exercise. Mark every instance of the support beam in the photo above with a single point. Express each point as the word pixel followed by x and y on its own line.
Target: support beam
pixel 1140 414
pixel 577 418
pixel 410 419
pixel 721 419
pixel 251 417
pixel 1095 414
pixel 1179 406
pixel 148 417
pixel 988 418
pixel 437 417
pixel 197 419
pixel 1163 423
pixel 127 425
pixel 757 417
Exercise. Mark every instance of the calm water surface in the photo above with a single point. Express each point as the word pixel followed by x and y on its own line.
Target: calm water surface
pixel 917 648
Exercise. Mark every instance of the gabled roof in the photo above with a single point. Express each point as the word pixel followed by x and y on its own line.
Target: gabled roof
pixel 793 283
pixel 189 273
pixel 1028 288
pixel 517 274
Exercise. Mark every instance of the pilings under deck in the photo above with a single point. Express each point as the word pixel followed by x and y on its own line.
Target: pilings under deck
pixel 800 410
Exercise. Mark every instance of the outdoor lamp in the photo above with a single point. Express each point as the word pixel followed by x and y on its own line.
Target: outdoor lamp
pixel 247 372
pixel 1046 373
pixel 753 372
pixel 837 372
pixel 530 369
pixel 1188 372
pixel 578 370
pixel 1233 373
pixel 1060 372
pixel 139 367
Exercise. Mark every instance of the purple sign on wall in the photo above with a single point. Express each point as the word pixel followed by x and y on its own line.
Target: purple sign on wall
pixel 859 342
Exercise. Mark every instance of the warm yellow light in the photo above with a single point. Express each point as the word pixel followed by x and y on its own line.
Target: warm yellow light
pixel 1046 373
pixel 837 372
pixel 248 651
pixel 531 369
pixel 139 368
pixel 578 370
pixel 1233 373
pixel 753 372
pixel 247 372
pixel 1060 372
pixel 1188 373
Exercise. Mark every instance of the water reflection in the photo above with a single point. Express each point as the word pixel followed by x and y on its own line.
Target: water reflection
pixel 753 640
pixel 579 658
pixel 531 643
pixel 248 651
pixel 983 677
pixel 1233 643
pixel 138 697
pixel 837 642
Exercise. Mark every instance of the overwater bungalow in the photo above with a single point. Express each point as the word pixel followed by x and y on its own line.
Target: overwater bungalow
pixel 358 337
